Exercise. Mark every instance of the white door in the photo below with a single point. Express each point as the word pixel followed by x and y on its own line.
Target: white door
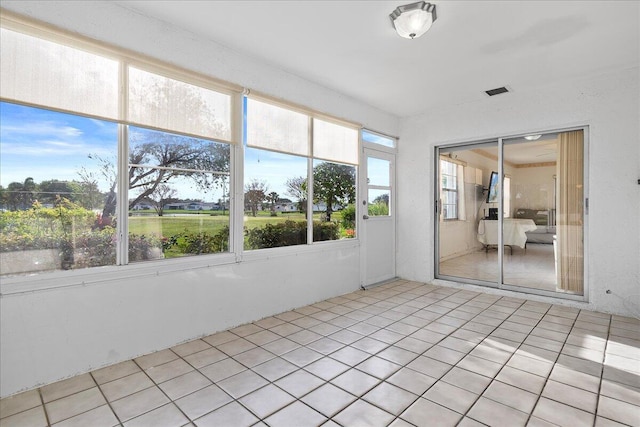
pixel 377 217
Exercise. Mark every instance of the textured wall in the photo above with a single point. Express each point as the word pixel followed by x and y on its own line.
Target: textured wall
pixel 609 105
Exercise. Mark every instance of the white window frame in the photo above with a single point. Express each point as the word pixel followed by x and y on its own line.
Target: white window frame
pixel 122 270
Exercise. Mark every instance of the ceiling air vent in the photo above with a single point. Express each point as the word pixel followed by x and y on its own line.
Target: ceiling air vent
pixel 496 91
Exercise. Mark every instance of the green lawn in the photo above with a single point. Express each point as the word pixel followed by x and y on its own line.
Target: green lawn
pixel 148 223
pixel 169 225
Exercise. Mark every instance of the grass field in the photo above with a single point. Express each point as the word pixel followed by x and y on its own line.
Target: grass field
pixel 169 225
pixel 172 224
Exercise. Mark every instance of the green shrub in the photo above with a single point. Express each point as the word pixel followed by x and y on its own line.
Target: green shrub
pixel 285 233
pixel 378 209
pixel 323 230
pixel 204 243
pixel 141 247
pixel 289 233
pixel 348 217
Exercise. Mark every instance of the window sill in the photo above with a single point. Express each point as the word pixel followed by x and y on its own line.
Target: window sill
pixel 97 275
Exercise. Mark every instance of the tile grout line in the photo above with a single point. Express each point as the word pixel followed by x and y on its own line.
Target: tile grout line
pixel 158 387
pixel 503 365
pixel 552 366
pixel 106 400
pixel 44 407
pixel 604 355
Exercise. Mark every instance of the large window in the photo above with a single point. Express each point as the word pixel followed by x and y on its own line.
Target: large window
pixel 107 160
pixel 300 185
pixel 177 195
pixel 57 171
pixel 97 176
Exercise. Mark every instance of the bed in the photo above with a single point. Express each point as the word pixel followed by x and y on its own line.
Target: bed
pixel 545 221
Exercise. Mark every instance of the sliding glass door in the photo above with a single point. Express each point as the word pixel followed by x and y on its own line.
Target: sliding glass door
pixel 466 246
pixel 511 213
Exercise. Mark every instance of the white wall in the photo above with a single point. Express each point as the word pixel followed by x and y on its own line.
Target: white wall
pixel 609 105
pixel 53 334
pixel 49 335
pixel 532 188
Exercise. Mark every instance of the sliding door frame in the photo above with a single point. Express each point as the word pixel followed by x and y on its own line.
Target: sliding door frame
pixel 500 282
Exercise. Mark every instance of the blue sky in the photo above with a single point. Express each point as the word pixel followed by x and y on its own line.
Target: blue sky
pixel 46 145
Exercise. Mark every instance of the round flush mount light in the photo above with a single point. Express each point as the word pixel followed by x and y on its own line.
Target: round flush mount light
pixel 532 137
pixel 413 20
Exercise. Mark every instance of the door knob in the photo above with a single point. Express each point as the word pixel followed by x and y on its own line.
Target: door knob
pixel 365 216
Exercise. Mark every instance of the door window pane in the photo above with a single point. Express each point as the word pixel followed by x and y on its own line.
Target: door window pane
pixel 378 171
pixel 378 202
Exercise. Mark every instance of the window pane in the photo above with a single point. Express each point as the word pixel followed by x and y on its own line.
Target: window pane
pixel 178 195
pixel 335 142
pixel 275 199
pixel 57 183
pixel 378 202
pixel 44 73
pixel 334 192
pixel 378 139
pixel 170 104
pixel 378 171
pixel 276 128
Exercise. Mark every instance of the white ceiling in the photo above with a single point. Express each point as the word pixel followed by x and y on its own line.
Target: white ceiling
pixel 473 46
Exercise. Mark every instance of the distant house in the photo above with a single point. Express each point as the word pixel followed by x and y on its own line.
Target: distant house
pixel 175 206
pixel 285 205
pixel 142 206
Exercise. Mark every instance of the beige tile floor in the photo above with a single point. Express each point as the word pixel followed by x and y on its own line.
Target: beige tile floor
pixel 401 354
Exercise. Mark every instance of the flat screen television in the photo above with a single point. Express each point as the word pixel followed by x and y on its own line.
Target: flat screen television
pixel 492 194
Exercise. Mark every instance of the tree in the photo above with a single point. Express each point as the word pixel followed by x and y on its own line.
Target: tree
pixel 255 193
pixel 334 184
pixel 107 171
pixel 49 189
pixel 20 195
pixel 297 188
pixel 273 199
pixel 382 199
pixel 13 195
pixel 172 156
pixel 163 195
pixel 162 157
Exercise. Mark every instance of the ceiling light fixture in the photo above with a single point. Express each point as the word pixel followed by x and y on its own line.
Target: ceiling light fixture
pixel 532 137
pixel 413 20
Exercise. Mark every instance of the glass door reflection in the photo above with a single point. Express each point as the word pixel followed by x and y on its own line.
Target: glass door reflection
pixel 467 238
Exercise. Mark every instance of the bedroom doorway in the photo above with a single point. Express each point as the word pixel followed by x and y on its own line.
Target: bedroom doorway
pixel 511 213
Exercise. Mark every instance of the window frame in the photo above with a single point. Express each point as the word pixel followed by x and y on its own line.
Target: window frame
pixel 449 190
pixel 122 270
pixel 312 116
